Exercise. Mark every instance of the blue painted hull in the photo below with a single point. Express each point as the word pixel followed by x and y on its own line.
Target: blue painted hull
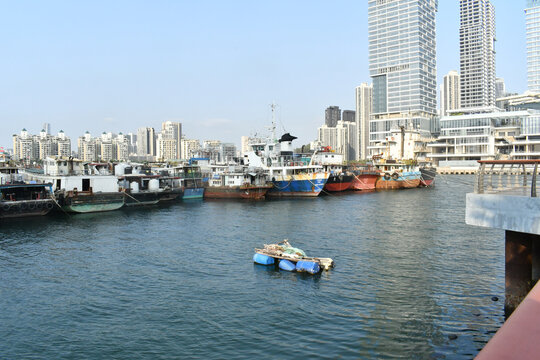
pixel 195 193
pixel 298 185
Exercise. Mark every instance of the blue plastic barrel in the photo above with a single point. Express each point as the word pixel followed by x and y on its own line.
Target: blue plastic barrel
pixel 286 265
pixel 308 266
pixel 263 259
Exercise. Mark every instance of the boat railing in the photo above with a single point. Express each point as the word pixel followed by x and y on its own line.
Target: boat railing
pixel 513 177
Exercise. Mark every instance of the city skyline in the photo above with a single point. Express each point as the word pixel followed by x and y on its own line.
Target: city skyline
pixel 215 72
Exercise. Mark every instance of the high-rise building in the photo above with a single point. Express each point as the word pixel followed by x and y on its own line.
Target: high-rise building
pixel 146 141
pixel 450 93
pixel 47 128
pixel 332 115
pixel 402 65
pixel 532 21
pixel 364 99
pixel 171 136
pixel 87 147
pixel 190 148
pixel 500 88
pixel 348 115
pixel 477 53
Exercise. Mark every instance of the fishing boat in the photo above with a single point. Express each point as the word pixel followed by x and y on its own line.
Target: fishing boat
pixel 291 174
pixel 79 187
pixel 397 175
pixel 21 200
pixel 289 258
pixel 339 181
pixel 365 177
pixel 190 180
pixel 237 182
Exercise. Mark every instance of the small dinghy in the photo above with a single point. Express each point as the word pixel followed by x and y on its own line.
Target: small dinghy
pixel 290 258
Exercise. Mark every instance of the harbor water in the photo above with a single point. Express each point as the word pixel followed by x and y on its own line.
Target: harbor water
pixel 412 280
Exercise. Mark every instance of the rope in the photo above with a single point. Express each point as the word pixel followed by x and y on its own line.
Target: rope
pixel 125 193
pixel 53 197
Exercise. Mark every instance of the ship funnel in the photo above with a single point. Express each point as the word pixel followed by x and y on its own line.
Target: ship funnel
pixel 286 144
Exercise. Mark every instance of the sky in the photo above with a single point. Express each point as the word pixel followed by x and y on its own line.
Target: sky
pixel 215 66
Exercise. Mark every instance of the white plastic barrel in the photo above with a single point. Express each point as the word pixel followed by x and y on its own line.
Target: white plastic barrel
pixel 153 185
pixel 134 186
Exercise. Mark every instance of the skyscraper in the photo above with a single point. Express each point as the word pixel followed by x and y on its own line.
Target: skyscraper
pixel 532 20
pixel 402 65
pixel 364 99
pixel 477 53
pixel 332 115
pixel 146 141
pixel 450 92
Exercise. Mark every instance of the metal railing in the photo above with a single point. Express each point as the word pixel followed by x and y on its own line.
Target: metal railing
pixel 515 177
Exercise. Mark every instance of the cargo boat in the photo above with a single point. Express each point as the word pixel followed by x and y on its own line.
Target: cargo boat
pixel 80 187
pixel 21 200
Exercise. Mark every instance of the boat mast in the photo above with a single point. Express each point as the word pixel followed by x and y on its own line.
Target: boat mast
pixel 273 128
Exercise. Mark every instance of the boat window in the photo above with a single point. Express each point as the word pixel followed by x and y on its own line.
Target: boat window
pixel 58 184
pixel 85 184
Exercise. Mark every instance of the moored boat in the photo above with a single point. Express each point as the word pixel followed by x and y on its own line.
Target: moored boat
pixel 365 178
pixel 291 175
pixel 396 175
pixel 21 200
pixel 339 182
pixel 80 187
pixel 427 175
pixel 237 183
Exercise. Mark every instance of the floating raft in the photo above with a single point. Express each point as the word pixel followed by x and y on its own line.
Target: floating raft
pixel 289 258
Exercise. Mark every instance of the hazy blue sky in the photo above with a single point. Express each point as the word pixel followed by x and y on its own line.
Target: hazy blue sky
pixel 215 66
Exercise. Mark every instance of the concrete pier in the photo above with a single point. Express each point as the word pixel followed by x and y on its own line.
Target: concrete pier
pixel 519 216
pixel 506 198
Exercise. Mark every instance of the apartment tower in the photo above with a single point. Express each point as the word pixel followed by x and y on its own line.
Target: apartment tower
pixel 364 95
pixel 532 21
pixel 450 93
pixel 477 53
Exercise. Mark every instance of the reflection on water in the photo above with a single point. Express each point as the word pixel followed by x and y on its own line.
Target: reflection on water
pixel 411 280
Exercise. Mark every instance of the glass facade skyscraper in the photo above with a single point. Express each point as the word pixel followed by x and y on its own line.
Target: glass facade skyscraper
pixel 402 66
pixel 532 19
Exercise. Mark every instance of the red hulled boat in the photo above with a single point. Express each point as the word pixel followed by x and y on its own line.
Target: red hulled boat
pixel 365 178
pixel 339 182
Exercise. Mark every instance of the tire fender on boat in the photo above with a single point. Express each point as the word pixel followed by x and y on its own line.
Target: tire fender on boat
pixel 386 176
pixel 49 206
pixel 395 176
pixel 6 207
